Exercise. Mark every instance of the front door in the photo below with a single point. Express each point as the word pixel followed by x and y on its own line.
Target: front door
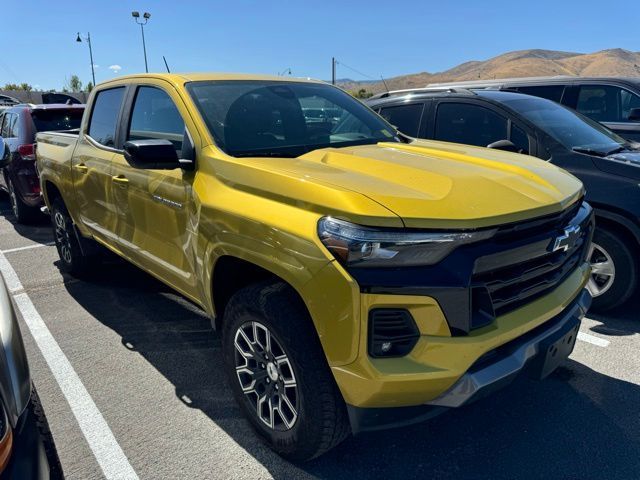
pixel 155 208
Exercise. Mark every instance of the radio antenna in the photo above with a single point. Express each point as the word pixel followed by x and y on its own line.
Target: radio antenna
pixel 166 64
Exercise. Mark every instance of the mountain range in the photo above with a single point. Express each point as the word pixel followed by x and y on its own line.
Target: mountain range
pixel 521 63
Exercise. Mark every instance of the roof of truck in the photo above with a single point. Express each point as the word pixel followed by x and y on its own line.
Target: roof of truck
pixel 181 78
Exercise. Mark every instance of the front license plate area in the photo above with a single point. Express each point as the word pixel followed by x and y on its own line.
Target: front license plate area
pixel 555 349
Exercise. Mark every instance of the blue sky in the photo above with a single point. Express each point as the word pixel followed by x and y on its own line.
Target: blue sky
pixel 376 38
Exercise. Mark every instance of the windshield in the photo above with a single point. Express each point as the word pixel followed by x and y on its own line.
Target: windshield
pixel 571 129
pixel 58 119
pixel 284 119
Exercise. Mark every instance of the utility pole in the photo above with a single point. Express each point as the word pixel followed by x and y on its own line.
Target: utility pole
pixel 333 70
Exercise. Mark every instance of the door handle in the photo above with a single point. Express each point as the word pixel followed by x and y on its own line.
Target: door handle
pixel 120 180
pixel 82 168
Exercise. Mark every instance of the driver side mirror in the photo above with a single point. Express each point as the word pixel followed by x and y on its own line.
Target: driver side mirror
pixel 151 154
pixel 634 115
pixel 506 145
pixel 5 153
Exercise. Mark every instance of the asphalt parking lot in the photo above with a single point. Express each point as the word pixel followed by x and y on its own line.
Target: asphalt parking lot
pixel 150 363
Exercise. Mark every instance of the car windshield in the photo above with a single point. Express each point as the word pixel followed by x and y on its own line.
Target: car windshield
pixel 284 119
pixel 573 130
pixel 57 119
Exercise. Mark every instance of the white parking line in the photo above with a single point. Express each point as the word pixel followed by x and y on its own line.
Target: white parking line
pixel 600 342
pixel 103 444
pixel 28 247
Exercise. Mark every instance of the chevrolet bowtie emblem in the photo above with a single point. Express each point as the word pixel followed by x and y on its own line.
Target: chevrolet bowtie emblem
pixel 567 240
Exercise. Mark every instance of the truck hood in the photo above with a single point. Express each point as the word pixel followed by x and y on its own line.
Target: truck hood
pixel 426 184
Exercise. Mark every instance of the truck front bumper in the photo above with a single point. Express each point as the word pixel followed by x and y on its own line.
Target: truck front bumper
pixel 538 352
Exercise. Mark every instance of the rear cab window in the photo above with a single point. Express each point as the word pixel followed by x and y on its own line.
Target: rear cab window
pixel 57 119
pixel 104 116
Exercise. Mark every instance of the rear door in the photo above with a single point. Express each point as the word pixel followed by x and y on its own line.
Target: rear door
pixel 91 164
pixel 156 212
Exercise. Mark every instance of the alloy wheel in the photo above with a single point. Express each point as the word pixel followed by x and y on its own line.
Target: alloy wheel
pixel 266 376
pixel 603 270
pixel 62 237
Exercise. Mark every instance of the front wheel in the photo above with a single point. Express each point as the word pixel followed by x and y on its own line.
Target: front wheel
pixel 279 374
pixel 614 269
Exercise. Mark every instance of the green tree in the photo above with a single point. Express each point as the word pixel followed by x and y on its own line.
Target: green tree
pixel 89 87
pixel 74 84
pixel 362 93
pixel 26 87
pixel 12 86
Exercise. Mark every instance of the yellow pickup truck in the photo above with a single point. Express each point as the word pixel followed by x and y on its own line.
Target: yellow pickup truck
pixel 360 279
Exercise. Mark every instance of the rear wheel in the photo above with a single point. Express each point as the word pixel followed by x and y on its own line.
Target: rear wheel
pixel 279 374
pixel 614 269
pixel 73 259
pixel 23 212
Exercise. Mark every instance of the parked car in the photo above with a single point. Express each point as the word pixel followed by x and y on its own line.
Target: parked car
pixel 608 166
pixel 7 102
pixel 27 449
pixel 18 128
pixel 612 101
pixel 360 280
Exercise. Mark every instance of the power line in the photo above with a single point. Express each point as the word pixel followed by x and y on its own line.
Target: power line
pixel 355 71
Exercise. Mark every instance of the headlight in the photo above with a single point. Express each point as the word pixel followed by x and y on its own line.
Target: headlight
pixel 357 246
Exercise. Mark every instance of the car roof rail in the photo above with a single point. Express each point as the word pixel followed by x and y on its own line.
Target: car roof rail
pixel 408 91
pixel 30 105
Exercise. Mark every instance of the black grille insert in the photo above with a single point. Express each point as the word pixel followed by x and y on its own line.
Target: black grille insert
pixel 523 274
pixel 392 332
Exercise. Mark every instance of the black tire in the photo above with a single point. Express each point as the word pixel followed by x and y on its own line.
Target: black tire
pixel 620 251
pixel 55 467
pixel 24 213
pixel 322 421
pixel 73 259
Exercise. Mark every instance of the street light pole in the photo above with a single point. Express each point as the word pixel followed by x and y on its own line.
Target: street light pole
pixel 88 39
pixel 146 16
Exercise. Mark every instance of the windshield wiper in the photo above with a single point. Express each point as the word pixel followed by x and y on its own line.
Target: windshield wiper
pixel 599 153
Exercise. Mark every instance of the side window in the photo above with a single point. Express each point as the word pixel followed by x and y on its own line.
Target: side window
pixel 155 116
pixel 552 92
pixel 469 124
pixel 606 103
pixel 9 125
pixel 6 123
pixel 104 117
pixel 13 126
pixel 405 118
pixel 628 101
pixel 519 138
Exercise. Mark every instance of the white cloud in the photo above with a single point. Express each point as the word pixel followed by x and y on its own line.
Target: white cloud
pixel 95 65
pixel 115 68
